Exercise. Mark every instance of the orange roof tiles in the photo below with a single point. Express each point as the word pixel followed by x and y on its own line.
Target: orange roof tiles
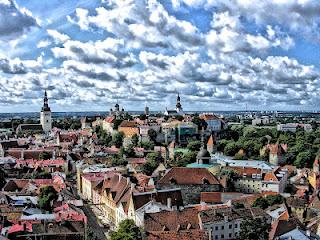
pixel 183 175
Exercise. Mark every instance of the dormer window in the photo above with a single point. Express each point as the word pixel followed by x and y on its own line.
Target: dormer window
pixel 172 181
pixel 205 181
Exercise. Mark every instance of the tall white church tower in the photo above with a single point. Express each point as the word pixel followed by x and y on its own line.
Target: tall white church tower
pixel 45 115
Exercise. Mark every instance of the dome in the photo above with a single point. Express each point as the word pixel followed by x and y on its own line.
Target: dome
pixel 203 153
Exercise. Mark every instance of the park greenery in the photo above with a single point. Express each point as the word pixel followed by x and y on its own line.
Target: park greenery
pixel 270 200
pixel 127 231
pixel 246 142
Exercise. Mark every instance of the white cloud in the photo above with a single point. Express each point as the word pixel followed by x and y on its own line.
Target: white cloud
pixel 57 36
pixel 15 21
pixel 298 16
pixel 43 44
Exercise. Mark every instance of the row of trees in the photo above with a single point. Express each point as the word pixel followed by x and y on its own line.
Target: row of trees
pixel 302 146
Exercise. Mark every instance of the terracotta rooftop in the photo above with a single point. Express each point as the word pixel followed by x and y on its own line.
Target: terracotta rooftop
pixel 182 175
pixel 172 220
pixel 191 234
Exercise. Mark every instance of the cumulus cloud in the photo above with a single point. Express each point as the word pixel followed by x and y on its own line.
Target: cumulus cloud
pixel 18 66
pixel 295 15
pixel 57 36
pixel 109 51
pixel 141 53
pixel 43 44
pixel 14 21
pixel 228 35
pixel 142 23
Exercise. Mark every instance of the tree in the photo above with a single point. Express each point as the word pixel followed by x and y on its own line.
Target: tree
pixel 155 156
pixel 270 200
pixel 104 137
pixel 129 150
pixel 201 123
pixel 118 161
pixel 152 163
pixel 254 229
pixel 186 158
pixel 44 156
pixel 143 117
pixel 179 117
pixel 147 145
pixel 261 202
pixel 117 139
pixel 152 134
pixel 135 140
pixel 222 144
pixel 274 199
pixel 127 231
pixel 194 145
pixel 116 123
pixel 231 149
pixel 304 159
pixel 149 167
pixel 46 196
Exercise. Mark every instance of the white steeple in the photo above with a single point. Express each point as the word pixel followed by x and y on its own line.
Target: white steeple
pixel 45 115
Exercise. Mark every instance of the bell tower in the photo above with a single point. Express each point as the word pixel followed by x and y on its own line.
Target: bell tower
pixel 178 105
pixel 45 115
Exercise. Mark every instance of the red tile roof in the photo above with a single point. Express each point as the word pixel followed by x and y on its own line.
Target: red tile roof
pixel 109 119
pixel 172 220
pixel 183 175
pixel 207 117
pixel 180 235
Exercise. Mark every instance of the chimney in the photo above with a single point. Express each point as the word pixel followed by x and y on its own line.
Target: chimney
pixel 225 218
pixel 308 232
pixel 169 203
pixel 24 225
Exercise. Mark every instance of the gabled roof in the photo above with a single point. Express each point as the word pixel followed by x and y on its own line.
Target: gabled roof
pixel 109 119
pixel 182 175
pixel 161 196
pixel 211 141
pixel 280 227
pixel 172 221
pixel 270 176
pixel 208 117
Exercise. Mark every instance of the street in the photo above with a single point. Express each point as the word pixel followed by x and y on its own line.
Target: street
pixel 94 225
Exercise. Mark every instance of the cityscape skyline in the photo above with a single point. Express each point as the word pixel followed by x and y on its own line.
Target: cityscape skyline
pixel 89 55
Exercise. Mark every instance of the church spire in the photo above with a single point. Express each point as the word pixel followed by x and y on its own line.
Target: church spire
pixel 45 107
pixel 178 105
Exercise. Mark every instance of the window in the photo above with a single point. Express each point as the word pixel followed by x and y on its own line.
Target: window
pixel 222 227
pixel 217 228
pixel 236 225
pixel 230 226
pixel 230 235
pixel 216 237
pixel 222 236
pixel 205 181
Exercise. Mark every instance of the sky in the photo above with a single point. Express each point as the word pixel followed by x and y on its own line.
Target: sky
pixel 218 54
